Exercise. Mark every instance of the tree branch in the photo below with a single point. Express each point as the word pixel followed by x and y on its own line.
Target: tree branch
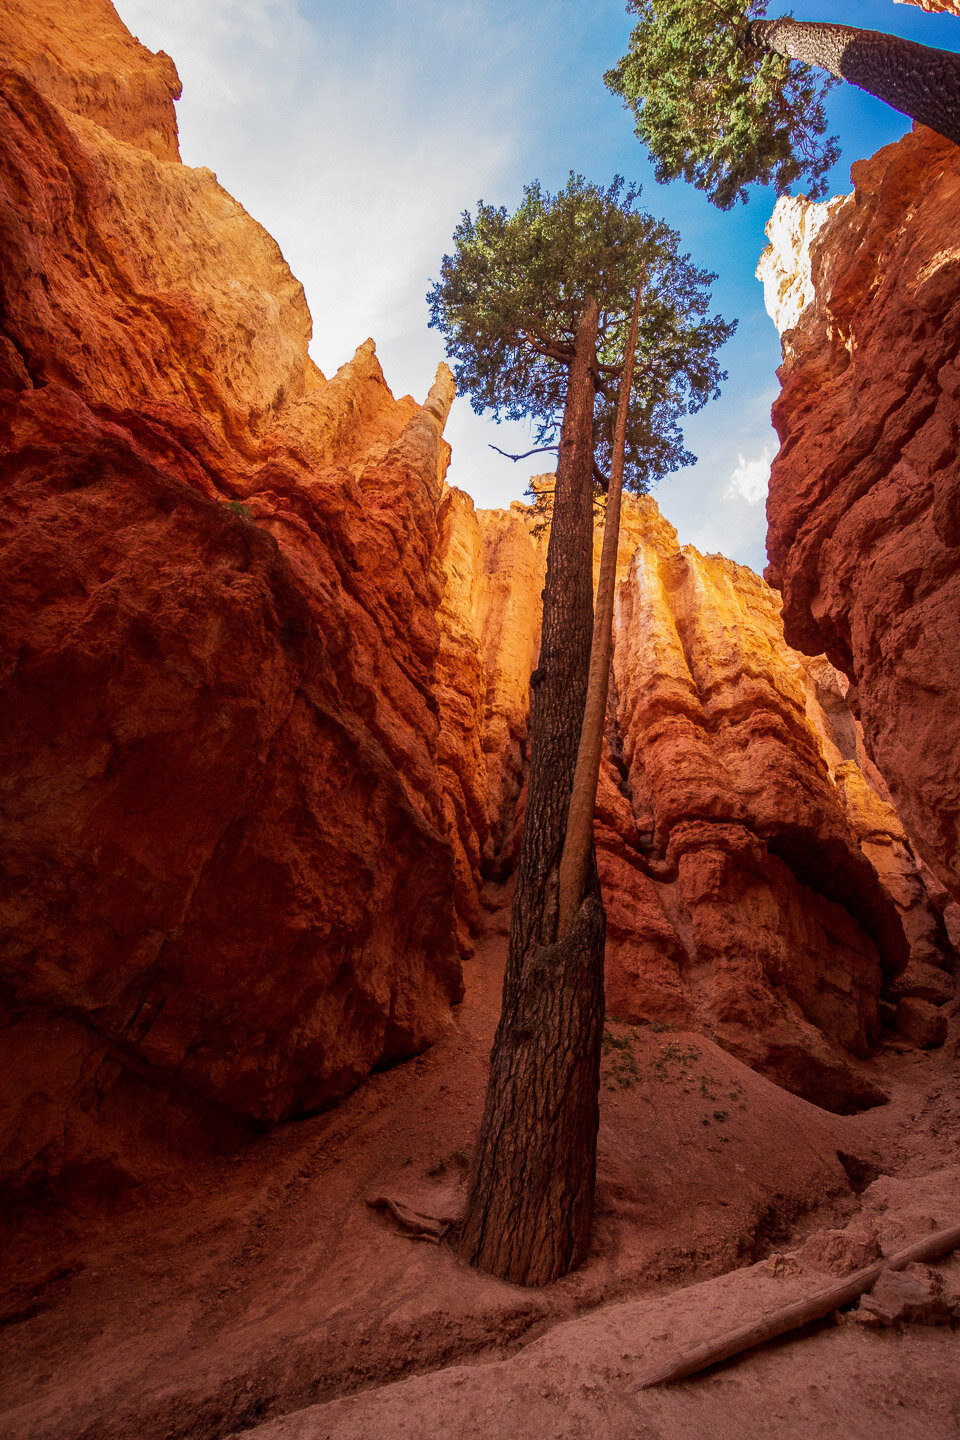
pixel 801 1312
pixel 540 450
pixel 550 348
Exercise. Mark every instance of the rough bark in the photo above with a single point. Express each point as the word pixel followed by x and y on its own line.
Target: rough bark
pixel 579 837
pixel 532 1181
pixel 917 80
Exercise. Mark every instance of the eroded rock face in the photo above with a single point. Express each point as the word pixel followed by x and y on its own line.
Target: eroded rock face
pixel 864 505
pixel 81 58
pixel 865 800
pixel 492 569
pixel 226 874
pixel 264 689
pixel 767 925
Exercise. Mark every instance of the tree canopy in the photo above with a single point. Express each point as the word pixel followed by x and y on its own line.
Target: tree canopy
pixel 510 299
pixel 724 97
pixel 717 110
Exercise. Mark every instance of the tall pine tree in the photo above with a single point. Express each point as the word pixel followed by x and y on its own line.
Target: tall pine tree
pixel 535 308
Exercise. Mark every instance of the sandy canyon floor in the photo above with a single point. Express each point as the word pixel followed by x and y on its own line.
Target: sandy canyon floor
pixel 261 1294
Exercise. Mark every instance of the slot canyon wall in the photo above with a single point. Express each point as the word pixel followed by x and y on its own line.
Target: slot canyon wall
pixel 864 503
pixel 264 695
pixel 227 887
pixel 740 841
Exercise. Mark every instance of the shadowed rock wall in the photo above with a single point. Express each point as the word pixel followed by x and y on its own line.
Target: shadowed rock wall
pixel 227 887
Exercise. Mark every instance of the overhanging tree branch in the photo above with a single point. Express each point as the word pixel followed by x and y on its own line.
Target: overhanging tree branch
pixel 552 349
pixel 725 98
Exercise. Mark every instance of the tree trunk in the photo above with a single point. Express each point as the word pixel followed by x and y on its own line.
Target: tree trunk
pixel 579 837
pixel 530 1204
pixel 915 79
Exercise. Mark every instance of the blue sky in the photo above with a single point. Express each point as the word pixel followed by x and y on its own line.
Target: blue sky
pixel 357 135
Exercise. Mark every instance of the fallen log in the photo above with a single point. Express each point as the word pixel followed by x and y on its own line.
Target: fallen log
pixel 801 1312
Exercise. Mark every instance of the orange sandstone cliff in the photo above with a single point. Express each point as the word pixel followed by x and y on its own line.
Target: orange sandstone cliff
pixel 787 927
pixel 943 7
pixel 758 883
pixel 864 504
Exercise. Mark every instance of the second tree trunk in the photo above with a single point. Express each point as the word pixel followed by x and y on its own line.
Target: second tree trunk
pixel 917 80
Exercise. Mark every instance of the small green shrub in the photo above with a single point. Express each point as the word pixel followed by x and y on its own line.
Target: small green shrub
pixel 242 512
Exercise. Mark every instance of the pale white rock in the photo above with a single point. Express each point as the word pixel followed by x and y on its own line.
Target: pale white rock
pixel 785 266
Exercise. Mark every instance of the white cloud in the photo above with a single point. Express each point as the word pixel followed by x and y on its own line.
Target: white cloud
pixel 750 479
pixel 357 138
pixel 356 157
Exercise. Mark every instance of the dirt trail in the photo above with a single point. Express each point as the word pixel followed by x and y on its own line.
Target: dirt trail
pixel 263 1288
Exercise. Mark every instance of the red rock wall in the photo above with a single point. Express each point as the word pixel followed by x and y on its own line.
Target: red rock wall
pixel 226 877
pixel 864 506
pixel 264 690
pixel 81 58
pixel 492 572
pixel 944 7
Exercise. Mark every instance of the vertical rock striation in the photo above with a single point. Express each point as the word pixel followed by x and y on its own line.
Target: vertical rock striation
pixel 492 570
pixel 864 505
pixel 756 886
pixel 264 679
pixel 744 905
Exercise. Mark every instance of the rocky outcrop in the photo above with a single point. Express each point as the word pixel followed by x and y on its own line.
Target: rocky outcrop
pixel 227 885
pixel 785 268
pixel 864 505
pixel 920 901
pixel 88 64
pixel 264 689
pixel 491 570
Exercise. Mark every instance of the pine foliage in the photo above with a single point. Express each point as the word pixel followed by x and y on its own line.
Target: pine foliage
pixel 718 111
pixel 510 298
